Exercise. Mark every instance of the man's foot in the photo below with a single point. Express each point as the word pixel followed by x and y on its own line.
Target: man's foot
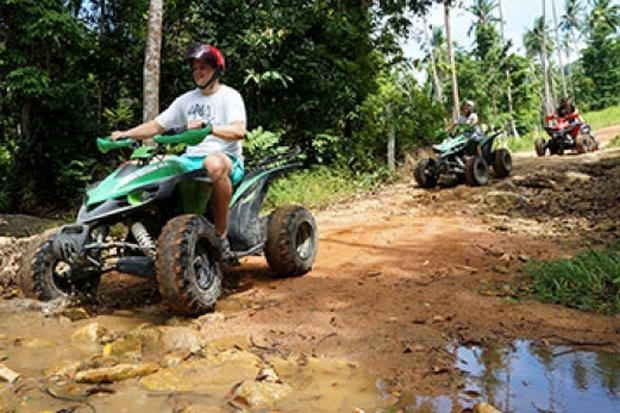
pixel 228 257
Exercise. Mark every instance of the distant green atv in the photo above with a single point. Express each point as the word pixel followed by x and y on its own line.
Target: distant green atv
pixel 163 205
pixel 467 154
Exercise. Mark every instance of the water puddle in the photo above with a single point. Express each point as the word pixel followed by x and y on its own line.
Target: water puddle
pixel 524 377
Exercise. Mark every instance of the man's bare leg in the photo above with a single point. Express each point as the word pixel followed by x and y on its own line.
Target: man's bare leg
pixel 219 167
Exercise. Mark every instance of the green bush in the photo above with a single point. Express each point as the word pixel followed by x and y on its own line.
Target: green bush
pixel 588 281
pixel 320 186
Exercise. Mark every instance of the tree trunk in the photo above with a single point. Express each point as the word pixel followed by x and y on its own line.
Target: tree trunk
pixel 511 121
pixel 455 85
pixel 437 92
pixel 548 105
pixel 559 48
pixel 391 146
pixel 152 60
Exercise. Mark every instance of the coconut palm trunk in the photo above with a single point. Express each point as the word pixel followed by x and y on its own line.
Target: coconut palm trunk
pixel 559 48
pixel 455 85
pixel 437 92
pixel 548 104
pixel 152 60
pixel 511 120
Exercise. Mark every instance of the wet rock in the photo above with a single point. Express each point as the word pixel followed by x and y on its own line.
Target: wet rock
pixel 90 333
pixel 211 318
pixel 261 393
pixel 63 370
pixel 202 374
pixel 129 348
pixel 504 199
pixel 182 339
pixel 8 400
pixel 485 408
pixel 8 375
pixel 116 373
pixel 170 339
pixel 39 343
pixel 577 176
pixel 19 305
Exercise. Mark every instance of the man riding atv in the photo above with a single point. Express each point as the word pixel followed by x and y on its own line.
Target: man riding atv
pixel 567 130
pixel 465 152
pixel 164 217
pixel 215 104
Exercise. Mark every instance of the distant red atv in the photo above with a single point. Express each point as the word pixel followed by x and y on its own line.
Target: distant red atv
pixel 566 133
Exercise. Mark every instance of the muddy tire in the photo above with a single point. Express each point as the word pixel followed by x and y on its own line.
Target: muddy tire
pixel 581 144
pixel 292 241
pixel 557 148
pixel 425 173
pixel 539 145
pixel 187 266
pixel 44 276
pixel 476 171
pixel 502 163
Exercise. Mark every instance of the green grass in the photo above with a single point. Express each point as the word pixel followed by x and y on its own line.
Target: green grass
pixel 615 142
pixel 598 119
pixel 320 186
pixel 588 281
pixel 603 118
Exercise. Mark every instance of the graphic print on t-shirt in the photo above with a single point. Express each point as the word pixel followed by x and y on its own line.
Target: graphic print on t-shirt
pixel 200 111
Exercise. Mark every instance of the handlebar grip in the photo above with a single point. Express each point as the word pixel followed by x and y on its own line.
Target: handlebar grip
pixel 107 144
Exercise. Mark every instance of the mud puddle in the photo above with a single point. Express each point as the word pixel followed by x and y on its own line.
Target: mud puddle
pixel 528 377
pixel 187 371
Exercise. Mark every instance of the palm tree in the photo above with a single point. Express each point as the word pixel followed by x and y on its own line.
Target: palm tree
pixel 559 47
pixel 604 13
pixel 511 120
pixel 437 92
pixel 483 25
pixel 455 86
pixel 537 44
pixel 571 24
pixel 152 60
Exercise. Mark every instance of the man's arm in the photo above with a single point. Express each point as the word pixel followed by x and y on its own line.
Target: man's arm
pixel 145 131
pixel 231 132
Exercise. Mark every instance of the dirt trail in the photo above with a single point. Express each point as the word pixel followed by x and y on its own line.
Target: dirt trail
pixel 403 273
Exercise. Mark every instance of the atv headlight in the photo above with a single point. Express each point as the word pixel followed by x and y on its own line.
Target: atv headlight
pixel 140 196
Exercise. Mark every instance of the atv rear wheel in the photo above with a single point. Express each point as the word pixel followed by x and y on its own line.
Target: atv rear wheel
pixel 540 146
pixel 45 276
pixel 187 266
pixel 292 241
pixel 476 171
pixel 425 173
pixel 502 163
pixel 581 144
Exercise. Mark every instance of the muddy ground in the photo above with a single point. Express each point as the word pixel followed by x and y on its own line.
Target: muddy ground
pixel 402 275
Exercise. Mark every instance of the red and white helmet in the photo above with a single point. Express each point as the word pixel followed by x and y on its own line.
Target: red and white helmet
pixel 207 54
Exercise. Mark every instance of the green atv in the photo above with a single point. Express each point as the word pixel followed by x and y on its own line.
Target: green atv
pixel 467 154
pixel 162 206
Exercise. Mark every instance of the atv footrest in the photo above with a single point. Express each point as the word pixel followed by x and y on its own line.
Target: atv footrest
pixel 139 266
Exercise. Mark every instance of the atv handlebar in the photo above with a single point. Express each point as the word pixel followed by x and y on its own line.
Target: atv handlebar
pixel 186 136
pixel 106 144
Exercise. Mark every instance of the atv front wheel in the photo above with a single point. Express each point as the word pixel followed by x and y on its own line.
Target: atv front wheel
pixel 425 173
pixel 187 266
pixel 292 241
pixel 45 276
pixel 540 146
pixel 502 163
pixel 476 171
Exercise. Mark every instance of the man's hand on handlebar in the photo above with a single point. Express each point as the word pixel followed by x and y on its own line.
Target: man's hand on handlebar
pixel 196 124
pixel 118 134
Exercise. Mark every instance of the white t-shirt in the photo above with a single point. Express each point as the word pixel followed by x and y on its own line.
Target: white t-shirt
pixel 472 119
pixel 221 108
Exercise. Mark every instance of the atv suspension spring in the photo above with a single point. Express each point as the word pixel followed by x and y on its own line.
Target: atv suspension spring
pixel 144 239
